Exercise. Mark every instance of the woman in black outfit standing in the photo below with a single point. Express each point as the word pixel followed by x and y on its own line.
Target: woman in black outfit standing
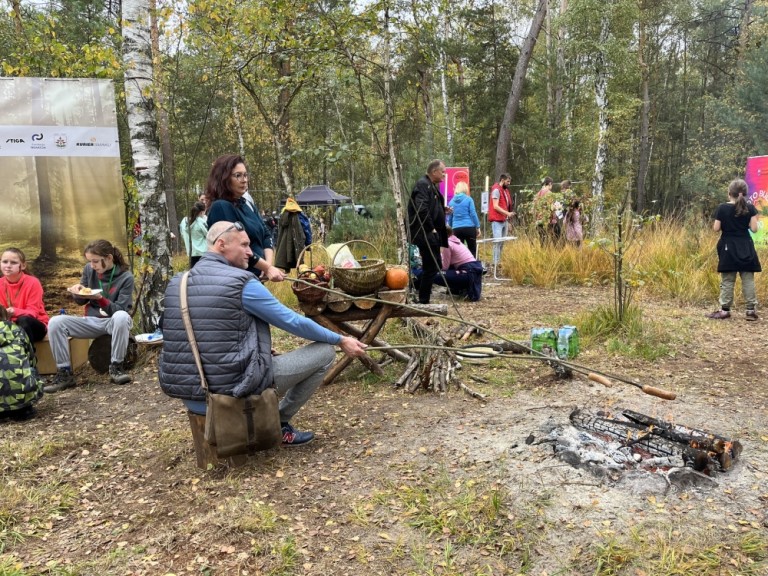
pixel 736 250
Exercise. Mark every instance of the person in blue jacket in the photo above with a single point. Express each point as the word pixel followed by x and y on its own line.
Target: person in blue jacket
pixel 464 220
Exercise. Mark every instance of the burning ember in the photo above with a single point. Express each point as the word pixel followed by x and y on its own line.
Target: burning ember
pixel 610 443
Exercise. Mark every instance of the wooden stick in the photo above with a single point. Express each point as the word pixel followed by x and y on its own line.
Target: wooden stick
pixel 409 370
pixel 471 392
pixel 467 333
pixel 357 333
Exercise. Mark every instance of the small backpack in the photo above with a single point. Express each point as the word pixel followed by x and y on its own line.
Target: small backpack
pixel 20 383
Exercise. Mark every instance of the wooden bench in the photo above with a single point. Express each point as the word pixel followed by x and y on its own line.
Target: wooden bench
pixel 205 453
pixel 78 355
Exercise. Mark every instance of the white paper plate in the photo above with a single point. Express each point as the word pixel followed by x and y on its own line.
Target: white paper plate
pixel 91 293
pixel 149 338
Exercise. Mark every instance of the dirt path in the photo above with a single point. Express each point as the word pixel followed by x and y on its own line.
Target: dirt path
pixel 111 488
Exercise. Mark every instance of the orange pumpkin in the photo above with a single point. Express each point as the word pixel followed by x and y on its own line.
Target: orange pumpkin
pixel 396 278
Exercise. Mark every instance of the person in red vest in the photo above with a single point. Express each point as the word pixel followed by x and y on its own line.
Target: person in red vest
pixel 500 213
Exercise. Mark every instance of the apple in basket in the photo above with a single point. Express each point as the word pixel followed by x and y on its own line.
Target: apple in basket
pixel 322 273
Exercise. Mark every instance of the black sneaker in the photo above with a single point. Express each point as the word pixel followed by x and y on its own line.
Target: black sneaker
pixel 117 373
pixel 751 315
pixel 293 437
pixel 719 315
pixel 64 379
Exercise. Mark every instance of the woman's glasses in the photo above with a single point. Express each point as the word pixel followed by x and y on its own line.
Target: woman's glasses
pixel 236 226
pixel 240 176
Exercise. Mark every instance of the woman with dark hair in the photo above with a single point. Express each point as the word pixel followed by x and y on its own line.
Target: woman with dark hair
pixel 574 223
pixel 546 187
pixel 193 229
pixel 227 184
pixel 106 291
pixel 736 250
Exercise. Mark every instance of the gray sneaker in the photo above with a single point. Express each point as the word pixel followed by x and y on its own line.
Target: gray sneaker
pixel 64 379
pixel 117 373
pixel 751 315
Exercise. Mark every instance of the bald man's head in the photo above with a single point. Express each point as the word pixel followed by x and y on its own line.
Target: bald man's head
pixel 231 241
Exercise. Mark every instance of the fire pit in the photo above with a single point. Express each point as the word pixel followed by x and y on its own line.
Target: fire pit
pixel 611 443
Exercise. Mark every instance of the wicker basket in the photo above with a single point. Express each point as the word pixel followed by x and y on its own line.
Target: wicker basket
pixel 363 280
pixel 313 293
pixel 313 255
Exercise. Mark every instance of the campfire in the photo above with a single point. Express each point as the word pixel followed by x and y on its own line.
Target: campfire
pixel 609 443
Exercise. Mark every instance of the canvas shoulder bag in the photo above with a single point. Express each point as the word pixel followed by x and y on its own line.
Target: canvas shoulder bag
pixel 234 425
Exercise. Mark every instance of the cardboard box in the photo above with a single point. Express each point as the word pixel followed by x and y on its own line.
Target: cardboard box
pixel 78 354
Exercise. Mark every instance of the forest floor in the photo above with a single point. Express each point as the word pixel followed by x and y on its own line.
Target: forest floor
pixel 103 480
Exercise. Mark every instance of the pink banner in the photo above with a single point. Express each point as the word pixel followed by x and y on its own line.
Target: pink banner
pixel 452 177
pixel 757 182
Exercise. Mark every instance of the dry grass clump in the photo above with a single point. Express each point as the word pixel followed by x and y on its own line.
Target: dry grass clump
pixel 666 259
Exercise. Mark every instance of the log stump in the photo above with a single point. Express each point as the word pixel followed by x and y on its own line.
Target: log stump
pixel 205 453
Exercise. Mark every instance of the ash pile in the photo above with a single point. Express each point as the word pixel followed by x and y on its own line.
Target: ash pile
pixel 611 444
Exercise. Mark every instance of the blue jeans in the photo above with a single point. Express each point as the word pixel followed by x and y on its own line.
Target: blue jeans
pixel 499 230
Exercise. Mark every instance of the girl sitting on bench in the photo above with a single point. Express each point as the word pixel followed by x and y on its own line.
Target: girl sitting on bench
pixel 22 295
pixel 106 290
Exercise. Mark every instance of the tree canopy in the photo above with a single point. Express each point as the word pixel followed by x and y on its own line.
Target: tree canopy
pixel 297 86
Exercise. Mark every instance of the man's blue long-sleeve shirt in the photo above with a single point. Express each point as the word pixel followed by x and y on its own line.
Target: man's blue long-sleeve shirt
pixel 260 302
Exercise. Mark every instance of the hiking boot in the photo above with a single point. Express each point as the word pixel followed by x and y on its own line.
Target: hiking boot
pixel 293 437
pixel 64 379
pixel 751 315
pixel 719 315
pixel 117 373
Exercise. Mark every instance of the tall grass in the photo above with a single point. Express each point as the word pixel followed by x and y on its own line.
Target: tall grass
pixel 664 259
pixel 528 261
pixel 678 262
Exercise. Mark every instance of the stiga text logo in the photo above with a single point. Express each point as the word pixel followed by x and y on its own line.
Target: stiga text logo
pixel 15 141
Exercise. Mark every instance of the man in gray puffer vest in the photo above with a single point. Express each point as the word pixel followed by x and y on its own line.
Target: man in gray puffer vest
pixel 231 313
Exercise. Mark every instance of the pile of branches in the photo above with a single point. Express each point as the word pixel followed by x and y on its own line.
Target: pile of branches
pixel 434 368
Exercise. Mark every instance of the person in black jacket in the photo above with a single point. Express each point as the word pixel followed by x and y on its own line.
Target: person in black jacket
pixel 426 225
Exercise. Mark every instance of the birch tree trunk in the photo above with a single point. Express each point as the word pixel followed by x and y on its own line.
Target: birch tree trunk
pixel 278 123
pixel 746 17
pixel 142 126
pixel 164 131
pixel 515 93
pixel 444 87
pixel 238 122
pixel 601 156
pixel 645 121
pixel 425 83
pixel 561 75
pixel 394 165
pixel 16 10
